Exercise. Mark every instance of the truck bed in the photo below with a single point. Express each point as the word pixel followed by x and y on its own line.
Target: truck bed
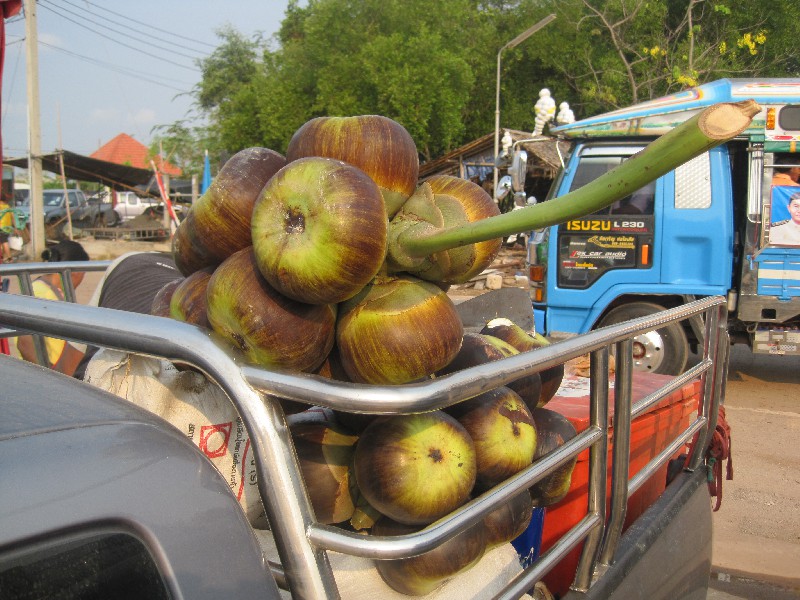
pixel 609 561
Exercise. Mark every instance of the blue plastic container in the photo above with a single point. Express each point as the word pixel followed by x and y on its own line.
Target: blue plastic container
pixel 529 543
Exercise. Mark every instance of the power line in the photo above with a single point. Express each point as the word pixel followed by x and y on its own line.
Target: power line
pixel 117 68
pixel 128 30
pixel 150 25
pixel 156 56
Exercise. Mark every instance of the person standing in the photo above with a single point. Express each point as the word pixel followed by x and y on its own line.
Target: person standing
pixel 62 356
pixel 6 227
pixel 788 173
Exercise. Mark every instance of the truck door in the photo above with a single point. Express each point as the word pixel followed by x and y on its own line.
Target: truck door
pixel 697 226
pixel 612 248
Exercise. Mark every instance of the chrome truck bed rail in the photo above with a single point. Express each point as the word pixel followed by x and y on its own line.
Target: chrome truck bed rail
pixel 301 541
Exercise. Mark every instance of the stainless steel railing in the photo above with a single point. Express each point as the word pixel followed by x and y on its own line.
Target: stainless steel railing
pixel 302 543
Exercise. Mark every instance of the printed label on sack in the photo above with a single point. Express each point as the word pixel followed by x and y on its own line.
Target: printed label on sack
pixel 214 439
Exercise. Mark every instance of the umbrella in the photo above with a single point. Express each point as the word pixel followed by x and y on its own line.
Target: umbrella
pixel 206 183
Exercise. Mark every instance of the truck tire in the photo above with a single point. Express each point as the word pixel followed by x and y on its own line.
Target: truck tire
pixel 664 350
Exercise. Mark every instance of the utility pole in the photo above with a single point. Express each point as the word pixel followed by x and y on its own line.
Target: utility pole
pixel 34 131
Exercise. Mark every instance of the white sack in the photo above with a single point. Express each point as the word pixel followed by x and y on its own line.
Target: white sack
pixel 357 578
pixel 197 407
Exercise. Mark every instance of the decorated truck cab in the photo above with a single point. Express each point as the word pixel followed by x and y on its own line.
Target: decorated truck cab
pixel 710 227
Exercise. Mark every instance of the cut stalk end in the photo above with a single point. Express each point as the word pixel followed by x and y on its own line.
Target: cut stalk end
pixel 727 120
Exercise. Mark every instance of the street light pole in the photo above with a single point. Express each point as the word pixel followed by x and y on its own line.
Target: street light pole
pixel 515 42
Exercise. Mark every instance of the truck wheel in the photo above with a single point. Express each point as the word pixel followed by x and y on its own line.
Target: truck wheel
pixel 664 350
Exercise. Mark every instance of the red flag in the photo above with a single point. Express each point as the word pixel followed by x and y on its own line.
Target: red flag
pixel 164 195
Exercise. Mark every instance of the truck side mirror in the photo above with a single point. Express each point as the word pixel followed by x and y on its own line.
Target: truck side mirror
pixel 503 187
pixel 518 170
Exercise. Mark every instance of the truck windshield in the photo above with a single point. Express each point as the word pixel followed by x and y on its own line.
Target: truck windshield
pixel 52 199
pixel 590 168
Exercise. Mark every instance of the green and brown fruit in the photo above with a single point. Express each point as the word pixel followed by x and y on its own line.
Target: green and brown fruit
pixel 378 145
pixel 325 454
pixel 397 330
pixel 415 468
pixel 163 297
pixel 509 520
pixel 441 203
pixel 516 336
pixel 422 574
pixel 478 349
pixel 218 224
pixel 188 302
pixel 503 431
pixel 554 430
pixel 319 230
pixel 268 328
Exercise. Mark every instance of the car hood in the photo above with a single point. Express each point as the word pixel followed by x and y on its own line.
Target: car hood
pixel 26 210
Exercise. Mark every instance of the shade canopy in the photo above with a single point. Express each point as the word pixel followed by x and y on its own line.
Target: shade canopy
pixel 85 168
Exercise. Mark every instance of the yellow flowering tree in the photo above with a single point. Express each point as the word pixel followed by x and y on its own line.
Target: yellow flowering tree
pixel 627 51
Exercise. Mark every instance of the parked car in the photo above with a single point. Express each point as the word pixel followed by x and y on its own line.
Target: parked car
pixel 129 205
pixel 54 204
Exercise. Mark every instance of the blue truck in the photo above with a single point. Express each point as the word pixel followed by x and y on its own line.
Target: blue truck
pixel 707 228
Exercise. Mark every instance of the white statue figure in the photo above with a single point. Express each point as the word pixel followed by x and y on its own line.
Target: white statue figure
pixel 545 111
pixel 507 141
pixel 565 115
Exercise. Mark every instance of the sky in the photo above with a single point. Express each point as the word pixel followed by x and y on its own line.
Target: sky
pixel 108 67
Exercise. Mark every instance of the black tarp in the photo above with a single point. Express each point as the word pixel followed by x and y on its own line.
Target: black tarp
pixel 85 168
pixel 116 176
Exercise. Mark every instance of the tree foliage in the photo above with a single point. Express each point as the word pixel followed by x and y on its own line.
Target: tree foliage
pixel 626 51
pixel 432 67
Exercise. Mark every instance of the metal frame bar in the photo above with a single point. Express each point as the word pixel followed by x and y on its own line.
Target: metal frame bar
pixel 24 272
pixel 302 543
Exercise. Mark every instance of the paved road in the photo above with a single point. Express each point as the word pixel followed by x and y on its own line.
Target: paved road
pixel 736 588
pixel 757 529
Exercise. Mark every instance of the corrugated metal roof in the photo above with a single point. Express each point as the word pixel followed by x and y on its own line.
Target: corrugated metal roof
pixel 542 150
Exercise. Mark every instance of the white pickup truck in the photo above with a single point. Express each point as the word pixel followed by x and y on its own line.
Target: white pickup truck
pixel 129 205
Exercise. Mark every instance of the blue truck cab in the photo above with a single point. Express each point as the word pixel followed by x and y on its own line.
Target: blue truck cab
pixel 703 229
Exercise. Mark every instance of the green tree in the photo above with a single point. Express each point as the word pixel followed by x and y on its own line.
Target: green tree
pixel 392 57
pixel 182 145
pixel 398 58
pixel 433 68
pixel 226 92
pixel 619 52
